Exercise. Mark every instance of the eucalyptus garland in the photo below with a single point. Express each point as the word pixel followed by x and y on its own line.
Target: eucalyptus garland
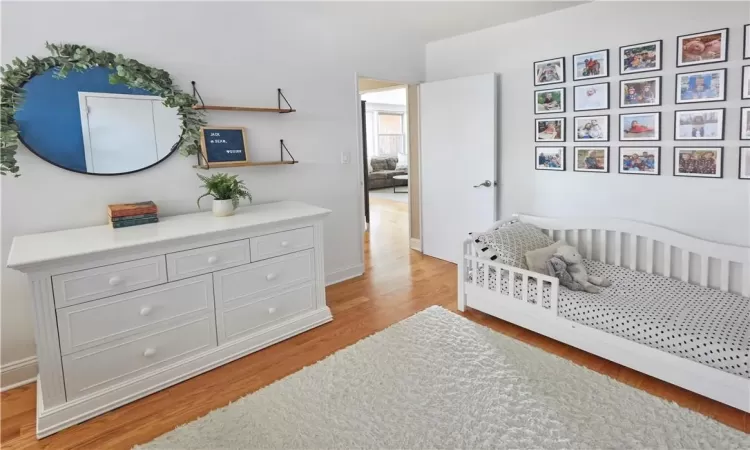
pixel 67 57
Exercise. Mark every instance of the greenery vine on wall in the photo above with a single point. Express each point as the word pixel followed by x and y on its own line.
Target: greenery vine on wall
pixel 67 57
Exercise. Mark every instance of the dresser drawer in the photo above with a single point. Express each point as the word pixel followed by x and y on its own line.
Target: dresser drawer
pixel 241 283
pixel 92 284
pixel 237 320
pixel 207 259
pixel 270 245
pixel 101 321
pixel 94 369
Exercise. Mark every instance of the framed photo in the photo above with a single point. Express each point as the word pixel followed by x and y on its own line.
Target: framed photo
pixel 550 71
pixel 548 101
pixel 591 128
pixel 640 92
pixel 640 126
pixel 699 125
pixel 745 123
pixel 746 46
pixel 746 83
pixel 744 163
pixel 591 159
pixel 640 160
pixel 702 48
pixel 550 158
pixel 643 57
pixel 590 97
pixel 591 65
pixel 701 87
pixel 702 162
pixel 550 130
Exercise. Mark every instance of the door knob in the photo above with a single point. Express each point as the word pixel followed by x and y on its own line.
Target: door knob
pixel 115 280
pixel 284 243
pixel 212 259
pixel 146 310
pixel 149 352
pixel 485 183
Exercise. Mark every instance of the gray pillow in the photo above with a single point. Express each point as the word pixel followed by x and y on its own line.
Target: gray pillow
pixel 510 243
pixel 392 161
pixel 379 164
pixel 537 259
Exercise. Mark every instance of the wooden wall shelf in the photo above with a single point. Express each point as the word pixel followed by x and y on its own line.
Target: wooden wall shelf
pixel 244 108
pixel 247 164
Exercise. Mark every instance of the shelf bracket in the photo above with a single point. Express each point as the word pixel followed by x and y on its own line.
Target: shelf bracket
pixel 197 95
pixel 283 148
pixel 279 97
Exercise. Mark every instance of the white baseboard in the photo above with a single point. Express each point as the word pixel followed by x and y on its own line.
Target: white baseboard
pixel 18 373
pixel 415 244
pixel 344 274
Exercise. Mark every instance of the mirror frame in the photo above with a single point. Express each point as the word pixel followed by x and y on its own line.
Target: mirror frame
pixel 67 57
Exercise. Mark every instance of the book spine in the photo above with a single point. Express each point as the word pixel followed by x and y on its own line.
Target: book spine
pixel 134 222
pixel 142 216
pixel 133 212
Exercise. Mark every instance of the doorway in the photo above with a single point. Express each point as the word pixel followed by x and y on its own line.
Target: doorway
pixel 389 131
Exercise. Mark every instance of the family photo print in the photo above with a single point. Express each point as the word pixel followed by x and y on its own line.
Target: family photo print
pixel 702 48
pixel 550 130
pixel 549 71
pixel 591 128
pixel 589 97
pixel 699 125
pixel 640 160
pixel 550 158
pixel 640 126
pixel 591 65
pixel 699 87
pixel 591 159
pixel 549 101
pixel 643 57
pixel 640 92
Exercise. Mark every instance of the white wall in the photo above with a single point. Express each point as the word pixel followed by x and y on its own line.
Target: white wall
pixel 713 209
pixel 238 53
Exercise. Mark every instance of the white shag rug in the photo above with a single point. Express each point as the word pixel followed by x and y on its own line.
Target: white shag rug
pixel 438 380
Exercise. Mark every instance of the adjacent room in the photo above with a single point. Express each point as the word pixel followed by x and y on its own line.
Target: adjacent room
pixel 387 225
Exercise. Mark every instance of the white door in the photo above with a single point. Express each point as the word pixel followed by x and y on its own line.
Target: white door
pixel 458 132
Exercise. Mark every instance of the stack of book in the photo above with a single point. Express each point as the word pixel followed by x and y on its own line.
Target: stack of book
pixel 131 214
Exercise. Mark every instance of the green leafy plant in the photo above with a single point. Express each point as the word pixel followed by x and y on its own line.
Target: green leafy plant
pixel 67 57
pixel 223 186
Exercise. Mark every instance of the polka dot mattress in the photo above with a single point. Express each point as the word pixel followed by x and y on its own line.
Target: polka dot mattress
pixel 701 324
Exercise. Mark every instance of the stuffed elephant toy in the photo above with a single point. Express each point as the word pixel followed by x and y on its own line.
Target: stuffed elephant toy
pixel 577 278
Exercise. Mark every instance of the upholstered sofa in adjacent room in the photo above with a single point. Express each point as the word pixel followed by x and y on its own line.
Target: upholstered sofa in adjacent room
pixel 382 169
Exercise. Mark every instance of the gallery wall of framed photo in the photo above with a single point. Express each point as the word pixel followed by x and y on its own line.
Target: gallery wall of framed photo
pixel 699 109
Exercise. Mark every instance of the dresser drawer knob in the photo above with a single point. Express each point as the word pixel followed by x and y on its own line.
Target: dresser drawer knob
pixel 271 310
pixel 271 276
pixel 146 310
pixel 149 352
pixel 212 259
pixel 284 244
pixel 115 280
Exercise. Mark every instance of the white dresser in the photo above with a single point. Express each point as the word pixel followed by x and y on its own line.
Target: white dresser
pixel 120 314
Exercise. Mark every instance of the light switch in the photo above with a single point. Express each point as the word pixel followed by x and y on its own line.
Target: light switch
pixel 345 158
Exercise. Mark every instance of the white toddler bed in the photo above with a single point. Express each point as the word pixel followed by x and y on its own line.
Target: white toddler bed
pixel 696 336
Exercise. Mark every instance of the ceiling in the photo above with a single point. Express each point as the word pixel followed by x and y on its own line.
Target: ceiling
pixel 431 21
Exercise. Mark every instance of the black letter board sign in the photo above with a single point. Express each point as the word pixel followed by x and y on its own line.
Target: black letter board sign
pixel 224 146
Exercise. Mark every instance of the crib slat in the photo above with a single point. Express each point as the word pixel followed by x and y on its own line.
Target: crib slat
pixel 486 281
pixel 575 239
pixel 633 251
pixel 551 233
pixel 539 291
pixel 724 275
pixel 618 248
pixel 704 270
pixel 650 255
pixel 589 243
pixel 603 248
pixel 746 281
pixel 511 284
pixel 553 297
pixel 685 265
pixel 667 260
pixel 525 288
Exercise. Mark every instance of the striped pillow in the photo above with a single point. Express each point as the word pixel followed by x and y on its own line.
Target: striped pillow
pixel 509 244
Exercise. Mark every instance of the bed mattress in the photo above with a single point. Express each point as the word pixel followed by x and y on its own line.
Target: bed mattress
pixel 701 324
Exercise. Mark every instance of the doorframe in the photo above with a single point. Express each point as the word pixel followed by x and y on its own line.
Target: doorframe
pixel 360 162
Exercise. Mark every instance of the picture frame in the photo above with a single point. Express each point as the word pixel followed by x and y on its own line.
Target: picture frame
pixel 212 154
pixel 701 87
pixel 745 123
pixel 591 97
pixel 745 89
pixel 549 101
pixel 746 45
pixel 549 130
pixel 553 159
pixel 647 126
pixel 640 92
pixel 591 159
pixel 700 124
pixel 705 47
pixel 591 65
pixel 639 161
pixel 591 128
pixel 641 57
pixel 744 165
pixel 699 162
pixel 549 71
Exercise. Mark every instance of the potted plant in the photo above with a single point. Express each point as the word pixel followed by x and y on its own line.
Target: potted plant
pixel 226 190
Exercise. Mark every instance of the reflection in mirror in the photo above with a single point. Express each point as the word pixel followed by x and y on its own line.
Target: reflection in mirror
pixel 85 124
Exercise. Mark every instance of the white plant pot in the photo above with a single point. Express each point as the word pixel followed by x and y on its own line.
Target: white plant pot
pixel 223 208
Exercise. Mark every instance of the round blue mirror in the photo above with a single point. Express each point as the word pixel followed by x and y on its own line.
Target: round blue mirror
pixel 85 124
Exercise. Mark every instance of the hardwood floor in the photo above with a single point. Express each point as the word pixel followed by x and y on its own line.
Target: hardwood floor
pixel 398 283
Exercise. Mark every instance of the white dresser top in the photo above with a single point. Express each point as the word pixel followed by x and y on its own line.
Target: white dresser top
pixel 43 247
